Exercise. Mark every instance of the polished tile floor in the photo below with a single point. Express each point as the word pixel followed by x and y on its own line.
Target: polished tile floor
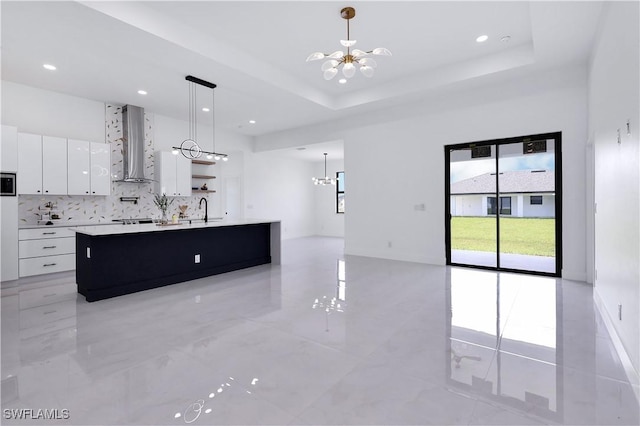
pixel 322 339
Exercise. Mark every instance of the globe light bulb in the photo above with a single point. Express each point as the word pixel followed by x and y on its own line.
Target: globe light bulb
pixel 349 70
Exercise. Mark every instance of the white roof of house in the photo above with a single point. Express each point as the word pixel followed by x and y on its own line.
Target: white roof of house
pixel 521 181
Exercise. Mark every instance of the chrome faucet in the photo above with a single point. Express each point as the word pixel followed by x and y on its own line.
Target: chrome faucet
pixel 206 208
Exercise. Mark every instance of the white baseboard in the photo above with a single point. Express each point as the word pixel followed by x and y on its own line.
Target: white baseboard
pixel 572 275
pixel 632 374
pixel 394 255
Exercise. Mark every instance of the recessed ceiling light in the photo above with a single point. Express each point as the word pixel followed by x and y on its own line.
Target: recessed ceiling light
pixel 252 121
pixel 205 109
pixel 505 38
pixel 342 81
pixel 142 92
pixel 482 38
pixel 49 67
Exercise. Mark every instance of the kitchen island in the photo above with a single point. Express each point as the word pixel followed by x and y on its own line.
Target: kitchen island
pixel 115 260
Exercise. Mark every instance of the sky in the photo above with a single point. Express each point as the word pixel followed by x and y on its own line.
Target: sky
pixel 461 170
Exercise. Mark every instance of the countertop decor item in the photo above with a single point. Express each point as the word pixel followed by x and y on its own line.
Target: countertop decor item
pixel 163 202
pixel 348 60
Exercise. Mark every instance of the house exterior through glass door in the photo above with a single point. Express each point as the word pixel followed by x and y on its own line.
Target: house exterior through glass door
pixel 504 204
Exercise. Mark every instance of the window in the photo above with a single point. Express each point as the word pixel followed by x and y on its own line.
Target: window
pixel 535 199
pixel 340 193
pixel 505 205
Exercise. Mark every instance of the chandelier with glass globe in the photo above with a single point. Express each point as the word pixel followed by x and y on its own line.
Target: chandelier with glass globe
pixel 351 60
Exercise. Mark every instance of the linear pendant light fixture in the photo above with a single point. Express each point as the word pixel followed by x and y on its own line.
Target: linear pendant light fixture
pixel 190 147
pixel 326 180
pixel 348 61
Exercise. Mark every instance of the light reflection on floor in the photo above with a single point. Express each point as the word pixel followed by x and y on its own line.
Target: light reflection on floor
pixel 410 344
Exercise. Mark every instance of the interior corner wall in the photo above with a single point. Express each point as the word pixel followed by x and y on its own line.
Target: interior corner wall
pixel 328 222
pixel 385 218
pixel 280 188
pixel 614 98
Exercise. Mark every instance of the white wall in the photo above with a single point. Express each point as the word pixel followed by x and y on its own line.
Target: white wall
pixel 613 99
pixel 546 209
pixel 49 113
pixel 327 222
pixel 467 205
pixel 278 187
pixel 403 148
pixel 417 175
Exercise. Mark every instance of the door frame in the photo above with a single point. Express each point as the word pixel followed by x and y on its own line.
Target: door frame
pixel 557 137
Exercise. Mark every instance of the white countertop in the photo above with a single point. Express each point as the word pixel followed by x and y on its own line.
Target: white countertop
pixel 98 230
pixel 62 224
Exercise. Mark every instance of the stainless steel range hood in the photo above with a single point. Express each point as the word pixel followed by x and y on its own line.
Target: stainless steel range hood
pixel 133 145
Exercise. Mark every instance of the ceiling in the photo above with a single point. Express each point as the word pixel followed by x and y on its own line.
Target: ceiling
pixel 255 52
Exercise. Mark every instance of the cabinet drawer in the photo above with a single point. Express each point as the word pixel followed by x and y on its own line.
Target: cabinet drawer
pixel 47 264
pixel 46 315
pixel 47 295
pixel 37 233
pixel 47 247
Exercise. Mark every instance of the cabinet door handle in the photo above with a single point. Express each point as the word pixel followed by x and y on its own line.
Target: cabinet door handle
pixel 48 233
pixel 50 295
pixel 50 264
pixel 50 312
pixel 48 247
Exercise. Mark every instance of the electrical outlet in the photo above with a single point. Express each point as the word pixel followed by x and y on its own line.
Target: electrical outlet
pixel 389 244
pixel 88 252
pixel 197 258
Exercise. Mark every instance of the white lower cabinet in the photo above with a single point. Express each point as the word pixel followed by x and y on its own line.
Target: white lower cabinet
pixel 47 264
pixel 43 251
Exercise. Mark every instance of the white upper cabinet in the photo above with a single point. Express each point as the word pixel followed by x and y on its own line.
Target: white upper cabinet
pixel 183 176
pixel 54 165
pixel 29 163
pixel 100 169
pixel 172 174
pixel 78 173
pixel 165 173
pixel 42 164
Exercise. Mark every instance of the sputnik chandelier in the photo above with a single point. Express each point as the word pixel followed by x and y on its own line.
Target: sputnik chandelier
pixel 190 147
pixel 326 180
pixel 352 58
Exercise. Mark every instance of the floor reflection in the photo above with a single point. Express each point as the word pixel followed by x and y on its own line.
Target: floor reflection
pixel 388 343
pixel 503 339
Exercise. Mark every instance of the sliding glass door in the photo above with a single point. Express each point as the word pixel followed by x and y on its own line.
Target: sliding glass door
pixel 473 230
pixel 504 204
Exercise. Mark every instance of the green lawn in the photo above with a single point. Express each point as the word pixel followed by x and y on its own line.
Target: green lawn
pixel 517 235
